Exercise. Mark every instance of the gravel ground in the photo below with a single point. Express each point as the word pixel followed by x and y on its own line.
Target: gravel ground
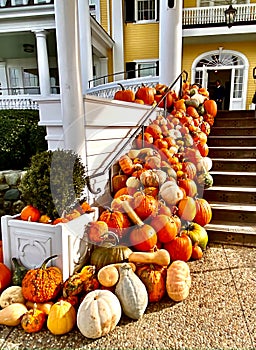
pixel 219 313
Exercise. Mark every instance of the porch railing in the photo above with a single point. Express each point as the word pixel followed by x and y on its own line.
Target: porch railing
pixel 215 15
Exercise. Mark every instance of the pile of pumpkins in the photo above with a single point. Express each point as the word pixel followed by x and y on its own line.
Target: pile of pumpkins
pixel 141 243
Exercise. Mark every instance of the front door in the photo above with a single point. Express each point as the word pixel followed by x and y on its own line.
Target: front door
pixel 224 75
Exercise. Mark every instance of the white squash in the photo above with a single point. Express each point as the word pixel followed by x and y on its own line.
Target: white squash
pixel 178 280
pixel 98 314
pixel 131 292
pixel 171 193
pixel 10 295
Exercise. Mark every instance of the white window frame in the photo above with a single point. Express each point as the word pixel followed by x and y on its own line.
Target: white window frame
pixel 213 3
pixel 144 20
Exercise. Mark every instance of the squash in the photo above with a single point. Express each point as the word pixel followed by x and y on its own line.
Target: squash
pixel 108 275
pixel 96 230
pixel 98 314
pixel 109 252
pixel 45 307
pixel 33 320
pixel 170 192
pixel 42 284
pixel 160 257
pixel 18 273
pixel 11 315
pixel 131 293
pixel 197 234
pixel 61 318
pixel 10 295
pixel 154 278
pixel 126 164
pixel 5 276
pixel 178 280
pixel 74 284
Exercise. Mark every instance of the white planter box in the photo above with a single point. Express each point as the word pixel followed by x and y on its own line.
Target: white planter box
pixel 33 242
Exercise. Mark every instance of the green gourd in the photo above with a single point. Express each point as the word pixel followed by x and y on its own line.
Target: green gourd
pixel 131 292
pixel 18 273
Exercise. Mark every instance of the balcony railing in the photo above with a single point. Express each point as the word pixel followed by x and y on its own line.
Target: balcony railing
pixel 215 16
pixel 14 3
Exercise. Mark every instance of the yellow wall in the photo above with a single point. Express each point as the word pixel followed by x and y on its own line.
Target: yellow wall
pixel 141 41
pixel 189 3
pixel 191 52
pixel 104 14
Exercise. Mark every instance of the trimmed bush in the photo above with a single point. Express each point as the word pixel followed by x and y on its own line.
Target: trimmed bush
pixel 20 138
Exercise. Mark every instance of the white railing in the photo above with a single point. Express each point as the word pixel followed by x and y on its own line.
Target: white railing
pixel 108 90
pixel 216 14
pixel 18 102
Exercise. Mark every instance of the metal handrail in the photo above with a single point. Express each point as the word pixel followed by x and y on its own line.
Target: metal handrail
pixel 136 132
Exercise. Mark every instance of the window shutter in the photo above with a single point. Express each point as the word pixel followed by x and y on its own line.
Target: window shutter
pixel 158 10
pixel 129 11
pixel 130 69
pixel 157 68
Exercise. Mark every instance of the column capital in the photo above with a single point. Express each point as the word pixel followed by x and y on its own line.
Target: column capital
pixel 40 32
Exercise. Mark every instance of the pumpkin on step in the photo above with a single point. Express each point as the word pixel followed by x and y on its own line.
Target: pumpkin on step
pixel 98 314
pixel 33 320
pixel 42 284
pixel 124 94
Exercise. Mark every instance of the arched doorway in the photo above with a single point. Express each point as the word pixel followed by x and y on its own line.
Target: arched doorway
pixel 231 67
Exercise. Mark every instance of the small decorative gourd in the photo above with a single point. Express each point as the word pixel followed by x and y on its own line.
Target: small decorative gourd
pixel 98 314
pixel 61 318
pixel 178 280
pixel 131 292
pixel 18 273
pixel 33 320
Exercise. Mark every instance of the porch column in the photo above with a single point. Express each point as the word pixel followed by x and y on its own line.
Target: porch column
pixel 170 41
pixel 42 62
pixel 85 43
pixel 72 108
pixel 117 35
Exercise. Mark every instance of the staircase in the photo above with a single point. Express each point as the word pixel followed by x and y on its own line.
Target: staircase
pixel 232 148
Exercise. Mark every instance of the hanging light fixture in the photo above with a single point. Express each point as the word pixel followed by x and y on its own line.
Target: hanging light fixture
pixel 230 15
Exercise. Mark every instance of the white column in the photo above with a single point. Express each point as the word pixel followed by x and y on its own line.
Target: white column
pixel 117 35
pixel 85 43
pixel 42 62
pixel 72 108
pixel 170 41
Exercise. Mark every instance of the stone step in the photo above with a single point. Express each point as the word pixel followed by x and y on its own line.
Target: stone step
pixel 230 194
pixel 233 130
pixel 232 152
pixel 231 122
pixel 233 212
pixel 224 141
pixel 234 178
pixel 231 233
pixel 236 114
pixel 232 164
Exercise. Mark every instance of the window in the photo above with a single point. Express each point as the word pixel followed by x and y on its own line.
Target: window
pixel 30 81
pixel 238 83
pixel 146 10
pixel 145 69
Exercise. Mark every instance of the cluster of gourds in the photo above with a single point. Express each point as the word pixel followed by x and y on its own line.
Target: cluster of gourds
pixel 141 243
pixel 92 299
pixel 33 214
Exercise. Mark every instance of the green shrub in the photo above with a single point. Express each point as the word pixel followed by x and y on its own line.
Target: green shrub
pixel 20 138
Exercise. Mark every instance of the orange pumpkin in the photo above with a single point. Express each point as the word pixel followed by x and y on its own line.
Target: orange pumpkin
pixel 5 276
pixel 145 205
pixel 180 248
pixel 117 221
pixel 42 284
pixel 147 140
pixel 126 164
pixel 118 182
pixel 124 95
pixel 154 130
pixel 189 169
pixel 96 231
pixel 143 237
pixel 30 213
pixel 145 93
pixel 203 212
pixel 165 227
pixel 189 186
pixel 211 107
pixel 187 208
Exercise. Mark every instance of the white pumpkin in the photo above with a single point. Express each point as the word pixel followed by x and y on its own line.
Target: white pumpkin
pixel 178 280
pixel 98 314
pixel 171 193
